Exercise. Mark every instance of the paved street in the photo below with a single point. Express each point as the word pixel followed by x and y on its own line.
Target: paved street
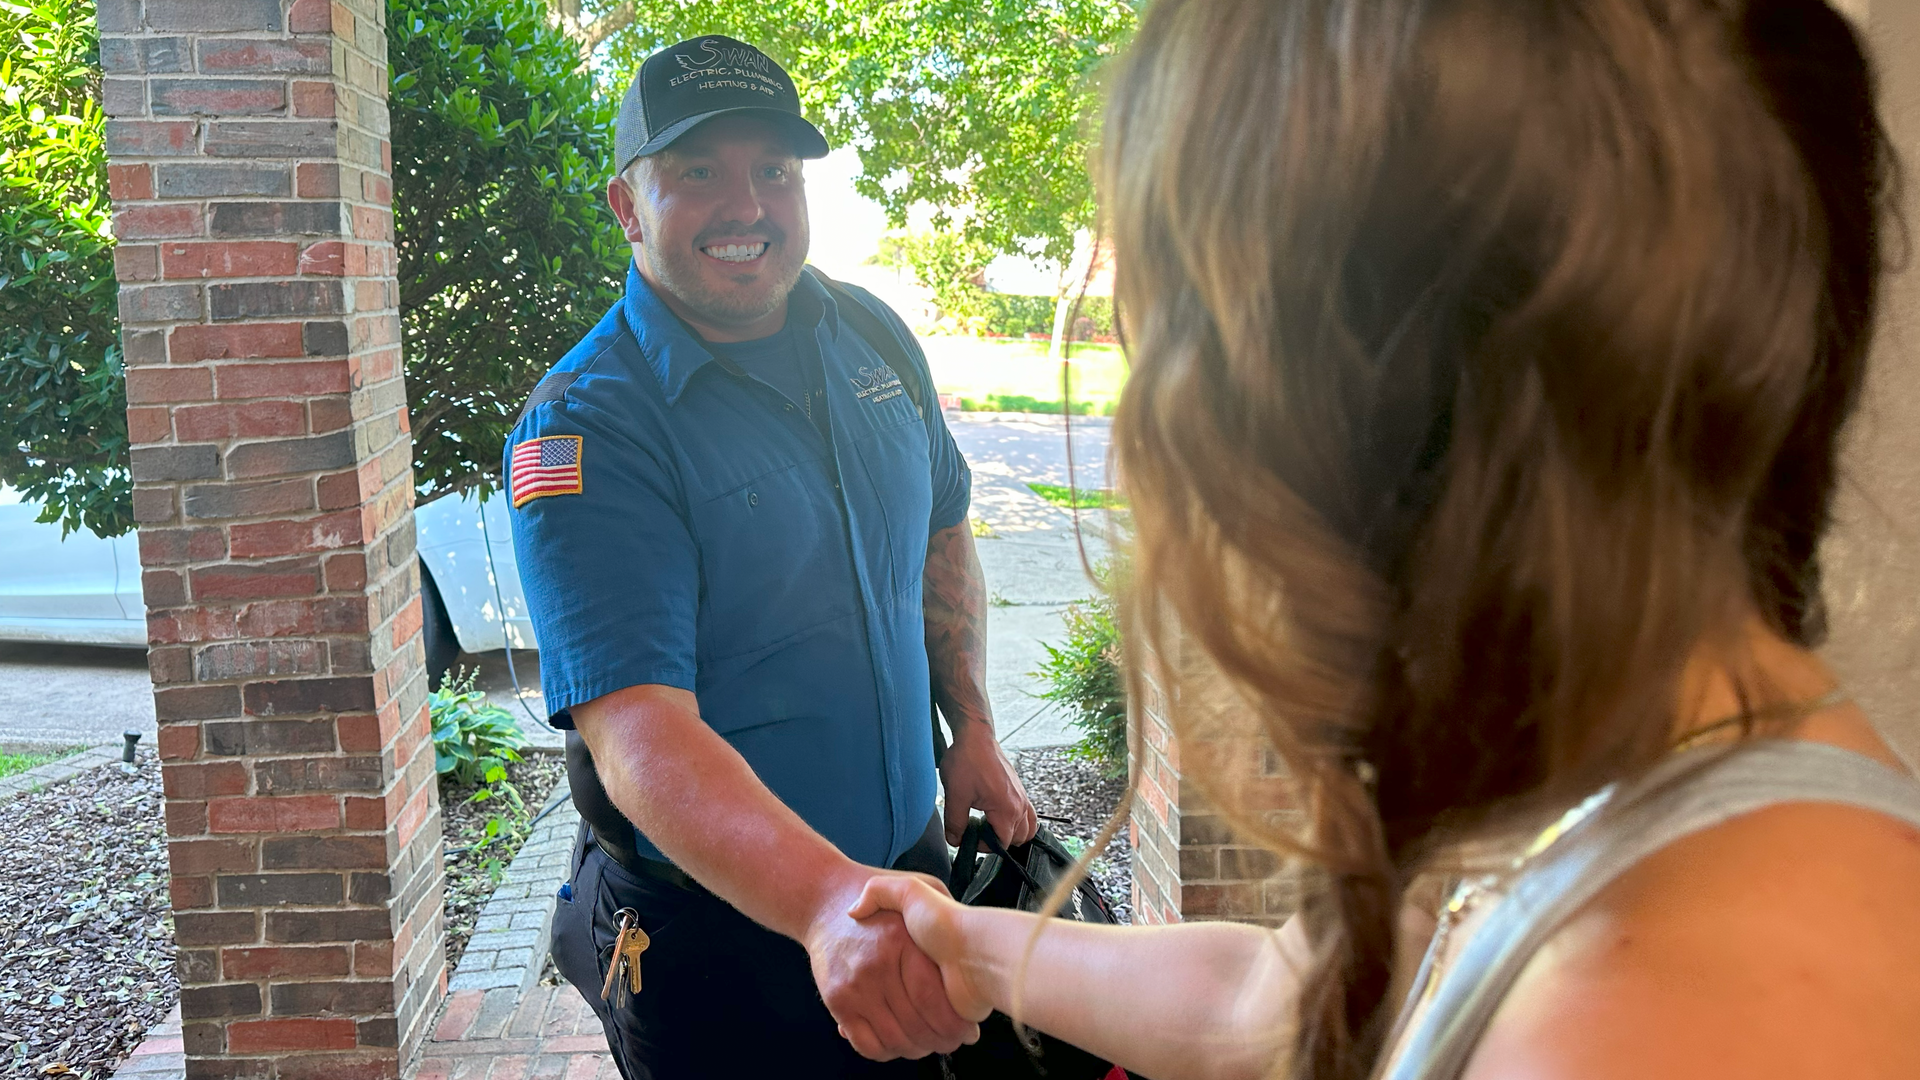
pixel 72 695
pixel 63 695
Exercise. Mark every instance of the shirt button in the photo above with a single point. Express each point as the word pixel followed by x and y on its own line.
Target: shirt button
pixel 753 498
pixel 789 406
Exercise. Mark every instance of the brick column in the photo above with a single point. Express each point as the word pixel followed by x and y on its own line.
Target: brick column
pixel 250 178
pixel 1188 863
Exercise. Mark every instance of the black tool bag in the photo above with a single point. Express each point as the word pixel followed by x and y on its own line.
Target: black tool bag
pixel 1021 877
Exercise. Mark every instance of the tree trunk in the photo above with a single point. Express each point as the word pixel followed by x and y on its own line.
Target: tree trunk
pixel 589 33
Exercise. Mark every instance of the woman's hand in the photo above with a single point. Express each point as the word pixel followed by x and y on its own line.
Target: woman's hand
pixel 936 924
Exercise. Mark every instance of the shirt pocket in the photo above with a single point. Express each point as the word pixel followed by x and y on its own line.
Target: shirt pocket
pixel 899 468
pixel 773 562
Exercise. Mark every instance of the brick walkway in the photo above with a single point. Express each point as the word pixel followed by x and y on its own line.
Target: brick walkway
pixel 548 1034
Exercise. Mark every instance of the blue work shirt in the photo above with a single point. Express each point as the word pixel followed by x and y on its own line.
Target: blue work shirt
pixel 719 543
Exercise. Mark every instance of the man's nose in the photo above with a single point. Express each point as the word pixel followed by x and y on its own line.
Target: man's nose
pixel 742 201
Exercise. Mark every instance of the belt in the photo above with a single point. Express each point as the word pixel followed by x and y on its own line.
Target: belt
pixel 641 866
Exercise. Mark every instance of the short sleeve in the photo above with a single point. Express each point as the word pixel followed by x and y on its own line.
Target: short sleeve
pixel 952 479
pixel 610 571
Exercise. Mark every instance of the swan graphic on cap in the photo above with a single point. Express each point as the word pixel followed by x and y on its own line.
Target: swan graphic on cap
pixel 684 85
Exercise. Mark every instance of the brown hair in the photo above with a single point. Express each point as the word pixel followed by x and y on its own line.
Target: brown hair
pixel 1489 357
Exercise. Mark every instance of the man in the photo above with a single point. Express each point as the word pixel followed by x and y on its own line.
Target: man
pixel 746 549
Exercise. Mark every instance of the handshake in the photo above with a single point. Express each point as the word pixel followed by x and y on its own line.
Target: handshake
pixel 892 968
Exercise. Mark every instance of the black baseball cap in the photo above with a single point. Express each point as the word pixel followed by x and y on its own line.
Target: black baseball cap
pixel 701 78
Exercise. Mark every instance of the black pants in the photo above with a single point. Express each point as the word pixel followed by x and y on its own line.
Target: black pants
pixel 722 996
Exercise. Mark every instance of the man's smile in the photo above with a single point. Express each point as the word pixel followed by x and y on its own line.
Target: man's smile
pixel 736 252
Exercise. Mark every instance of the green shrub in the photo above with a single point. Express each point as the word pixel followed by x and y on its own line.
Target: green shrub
pixel 508 254
pixel 1083 675
pixel 63 432
pixel 1011 315
pixel 1024 404
pixel 471 737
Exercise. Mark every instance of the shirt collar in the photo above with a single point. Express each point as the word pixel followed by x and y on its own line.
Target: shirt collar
pixel 675 353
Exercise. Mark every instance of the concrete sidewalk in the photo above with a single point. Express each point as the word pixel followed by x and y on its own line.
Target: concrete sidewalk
pixel 1036 556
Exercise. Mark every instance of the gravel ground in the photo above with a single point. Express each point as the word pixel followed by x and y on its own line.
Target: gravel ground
pixel 84 922
pixel 1067 787
pixel 84 916
pixel 470 877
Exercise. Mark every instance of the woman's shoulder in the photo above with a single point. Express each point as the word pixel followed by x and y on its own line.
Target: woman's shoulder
pixel 1782 943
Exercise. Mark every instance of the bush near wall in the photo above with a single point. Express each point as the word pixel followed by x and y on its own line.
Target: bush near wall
pixel 63 430
pixel 508 254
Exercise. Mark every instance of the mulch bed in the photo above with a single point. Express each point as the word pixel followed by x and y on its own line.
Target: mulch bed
pixel 86 926
pixel 470 880
pixel 84 922
pixel 88 937
pixel 1068 787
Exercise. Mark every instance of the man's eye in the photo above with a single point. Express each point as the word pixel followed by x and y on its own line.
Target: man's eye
pixel 775 172
pixel 699 173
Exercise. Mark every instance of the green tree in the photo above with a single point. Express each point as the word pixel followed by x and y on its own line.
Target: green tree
pixel 508 254
pixel 500 141
pixel 63 432
pixel 978 107
pixel 949 264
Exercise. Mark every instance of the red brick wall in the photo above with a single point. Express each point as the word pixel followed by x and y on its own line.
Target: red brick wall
pixel 250 177
pixel 1188 863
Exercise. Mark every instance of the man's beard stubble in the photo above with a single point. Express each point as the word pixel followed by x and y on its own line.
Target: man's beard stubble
pixel 759 293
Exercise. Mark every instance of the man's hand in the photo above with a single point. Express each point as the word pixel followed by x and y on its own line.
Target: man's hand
pixel 978 776
pixel 935 921
pixel 888 998
pixel 976 772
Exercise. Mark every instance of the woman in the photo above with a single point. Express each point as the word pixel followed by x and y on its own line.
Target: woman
pixel 1490 358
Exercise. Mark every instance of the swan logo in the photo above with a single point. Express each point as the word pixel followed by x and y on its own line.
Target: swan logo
pixel 725 56
pixel 728 67
pixel 874 385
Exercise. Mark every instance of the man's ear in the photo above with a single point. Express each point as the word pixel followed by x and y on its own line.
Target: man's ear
pixel 620 198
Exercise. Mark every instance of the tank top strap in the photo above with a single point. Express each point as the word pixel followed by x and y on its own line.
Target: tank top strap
pixel 1683 795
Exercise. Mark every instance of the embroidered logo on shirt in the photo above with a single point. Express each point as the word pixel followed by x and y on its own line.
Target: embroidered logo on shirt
pixel 549 465
pixel 874 385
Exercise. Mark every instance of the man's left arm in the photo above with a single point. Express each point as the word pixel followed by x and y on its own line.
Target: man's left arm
pixel 976 772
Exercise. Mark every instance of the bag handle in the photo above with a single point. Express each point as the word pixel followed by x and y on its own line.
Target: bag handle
pixel 993 842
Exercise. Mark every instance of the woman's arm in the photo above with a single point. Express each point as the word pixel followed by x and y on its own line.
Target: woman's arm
pixel 1194 1000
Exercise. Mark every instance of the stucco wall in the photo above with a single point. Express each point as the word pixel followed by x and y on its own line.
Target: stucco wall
pixel 1873 556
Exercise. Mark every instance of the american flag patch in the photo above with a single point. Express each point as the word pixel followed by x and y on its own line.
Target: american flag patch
pixel 549 465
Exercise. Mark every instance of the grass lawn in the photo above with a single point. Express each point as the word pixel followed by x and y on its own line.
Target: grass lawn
pixel 19 763
pixel 973 368
pixel 1081 498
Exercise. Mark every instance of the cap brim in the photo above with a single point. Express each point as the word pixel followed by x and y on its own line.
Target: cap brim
pixel 807 140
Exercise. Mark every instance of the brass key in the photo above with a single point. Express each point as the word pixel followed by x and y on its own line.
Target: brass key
pixel 636 943
pixel 623 952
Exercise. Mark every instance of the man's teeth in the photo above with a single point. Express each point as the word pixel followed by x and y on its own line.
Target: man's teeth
pixel 736 252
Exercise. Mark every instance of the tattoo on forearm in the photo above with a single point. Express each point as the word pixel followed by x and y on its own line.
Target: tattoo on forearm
pixel 954 604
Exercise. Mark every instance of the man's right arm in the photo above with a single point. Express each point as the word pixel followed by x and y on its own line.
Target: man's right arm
pixel 700 803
